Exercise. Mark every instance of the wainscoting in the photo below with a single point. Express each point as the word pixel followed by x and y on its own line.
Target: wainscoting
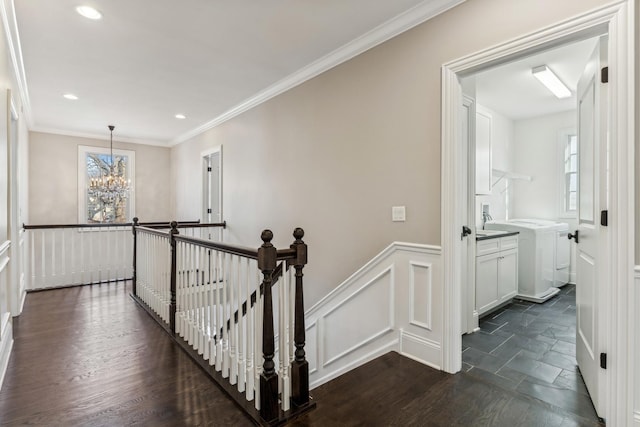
pixel 636 355
pixel 393 303
pixel 6 325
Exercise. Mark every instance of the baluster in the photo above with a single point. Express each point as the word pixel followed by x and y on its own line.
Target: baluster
pixel 241 343
pixel 300 366
pixel 211 324
pixel 257 332
pixel 73 258
pixel 269 377
pixel 284 339
pixel 292 312
pixel 44 258
pixel 249 375
pixel 225 316
pixel 32 247
pixel 232 324
pixel 218 327
pixel 201 305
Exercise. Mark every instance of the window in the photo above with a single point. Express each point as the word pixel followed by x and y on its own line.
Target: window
pixel 570 142
pixel 114 207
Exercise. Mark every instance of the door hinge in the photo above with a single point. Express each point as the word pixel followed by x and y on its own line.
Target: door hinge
pixel 209 169
pixel 603 360
pixel 209 210
pixel 604 218
pixel 604 75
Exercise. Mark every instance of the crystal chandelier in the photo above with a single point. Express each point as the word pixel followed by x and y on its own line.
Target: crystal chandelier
pixel 110 189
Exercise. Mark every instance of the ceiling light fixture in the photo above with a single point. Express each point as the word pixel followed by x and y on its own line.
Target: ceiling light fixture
pixel 111 189
pixel 89 12
pixel 180 116
pixel 551 81
pixel 70 96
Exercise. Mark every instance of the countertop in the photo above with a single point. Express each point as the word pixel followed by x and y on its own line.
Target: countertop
pixel 494 234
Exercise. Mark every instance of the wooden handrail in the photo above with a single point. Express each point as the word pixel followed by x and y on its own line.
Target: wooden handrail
pixel 222 247
pixel 157 224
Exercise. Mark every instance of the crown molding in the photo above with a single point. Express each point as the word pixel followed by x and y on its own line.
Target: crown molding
pixel 104 137
pixel 389 29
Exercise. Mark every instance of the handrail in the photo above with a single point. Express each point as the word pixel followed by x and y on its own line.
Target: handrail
pixel 159 224
pixel 154 231
pixel 208 244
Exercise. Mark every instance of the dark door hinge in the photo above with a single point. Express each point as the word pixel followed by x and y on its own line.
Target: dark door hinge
pixel 209 169
pixel 603 360
pixel 604 75
pixel 209 211
pixel 604 218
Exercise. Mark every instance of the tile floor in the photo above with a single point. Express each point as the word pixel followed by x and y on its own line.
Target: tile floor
pixel 529 348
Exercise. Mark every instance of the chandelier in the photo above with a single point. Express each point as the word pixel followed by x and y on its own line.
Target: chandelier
pixel 110 190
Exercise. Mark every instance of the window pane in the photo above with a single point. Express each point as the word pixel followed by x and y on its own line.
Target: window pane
pixel 573 182
pixel 572 206
pixel 573 163
pixel 106 204
pixel 573 144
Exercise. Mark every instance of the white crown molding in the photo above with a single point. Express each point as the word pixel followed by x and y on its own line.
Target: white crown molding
pixel 104 136
pixel 389 29
pixel 15 53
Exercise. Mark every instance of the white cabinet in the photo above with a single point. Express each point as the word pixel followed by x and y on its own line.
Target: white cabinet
pixel 496 272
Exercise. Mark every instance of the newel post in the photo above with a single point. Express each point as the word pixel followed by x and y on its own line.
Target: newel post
pixel 135 254
pixel 299 366
pixel 268 379
pixel 172 304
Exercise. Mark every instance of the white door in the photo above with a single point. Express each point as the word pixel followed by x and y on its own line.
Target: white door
pixel 590 244
pixel 212 191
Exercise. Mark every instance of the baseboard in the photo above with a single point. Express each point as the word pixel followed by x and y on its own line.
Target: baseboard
pixel 420 349
pixel 6 345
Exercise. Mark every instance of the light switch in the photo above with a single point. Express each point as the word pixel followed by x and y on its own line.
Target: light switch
pixel 398 214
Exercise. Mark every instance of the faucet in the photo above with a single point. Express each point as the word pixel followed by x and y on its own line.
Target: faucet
pixel 485 217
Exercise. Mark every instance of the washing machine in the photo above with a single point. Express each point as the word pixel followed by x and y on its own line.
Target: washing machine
pixel 543 256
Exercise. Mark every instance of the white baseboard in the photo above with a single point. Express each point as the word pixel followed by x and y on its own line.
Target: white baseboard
pixel 6 344
pixel 420 349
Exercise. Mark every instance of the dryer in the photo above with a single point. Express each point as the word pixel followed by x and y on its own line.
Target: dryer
pixel 543 256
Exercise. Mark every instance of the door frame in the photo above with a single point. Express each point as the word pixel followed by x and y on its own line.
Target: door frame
pixel 203 155
pixel 617 20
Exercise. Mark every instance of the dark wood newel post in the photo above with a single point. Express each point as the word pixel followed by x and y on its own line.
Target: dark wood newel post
pixel 268 379
pixel 135 252
pixel 172 304
pixel 299 366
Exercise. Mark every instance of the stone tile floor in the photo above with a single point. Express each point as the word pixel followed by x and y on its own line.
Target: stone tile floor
pixel 530 349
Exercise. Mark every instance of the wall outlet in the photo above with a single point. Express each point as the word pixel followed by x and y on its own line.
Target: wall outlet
pixel 398 214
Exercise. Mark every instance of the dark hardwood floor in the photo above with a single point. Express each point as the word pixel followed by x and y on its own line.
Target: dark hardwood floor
pixel 89 356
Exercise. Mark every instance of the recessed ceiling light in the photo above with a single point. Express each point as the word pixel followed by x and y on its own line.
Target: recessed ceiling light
pixel 70 96
pixel 89 12
pixel 180 116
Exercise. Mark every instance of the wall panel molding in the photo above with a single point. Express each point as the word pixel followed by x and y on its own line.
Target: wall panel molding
pixel 387 305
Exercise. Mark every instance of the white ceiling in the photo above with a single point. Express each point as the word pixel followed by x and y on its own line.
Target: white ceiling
pixel 148 60
pixel 513 91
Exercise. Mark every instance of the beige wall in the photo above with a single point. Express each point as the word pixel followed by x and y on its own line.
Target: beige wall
pixel 335 154
pixel 53 178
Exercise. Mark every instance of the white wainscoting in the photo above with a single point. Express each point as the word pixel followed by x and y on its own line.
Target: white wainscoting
pixel 6 328
pixel 636 348
pixel 393 303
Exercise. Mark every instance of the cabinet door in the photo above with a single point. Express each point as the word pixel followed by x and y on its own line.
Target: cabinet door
pixel 507 274
pixel 486 282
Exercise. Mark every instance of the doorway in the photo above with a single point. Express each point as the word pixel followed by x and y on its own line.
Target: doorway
pixel 212 188
pixel 618 275
pixel 526 172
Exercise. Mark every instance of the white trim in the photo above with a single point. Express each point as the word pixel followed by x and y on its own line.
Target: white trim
pixel 4 247
pixel 83 150
pixel 387 30
pixel 619 18
pixel 412 286
pixel 100 136
pixel 424 342
pixel 15 53
pixel 6 345
pixel 207 153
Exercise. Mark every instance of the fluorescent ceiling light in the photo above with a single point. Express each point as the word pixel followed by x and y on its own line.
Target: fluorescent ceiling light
pixel 551 81
pixel 70 96
pixel 89 12
pixel 180 116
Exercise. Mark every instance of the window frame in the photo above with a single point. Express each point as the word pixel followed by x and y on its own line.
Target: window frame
pixel 83 150
pixel 564 176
